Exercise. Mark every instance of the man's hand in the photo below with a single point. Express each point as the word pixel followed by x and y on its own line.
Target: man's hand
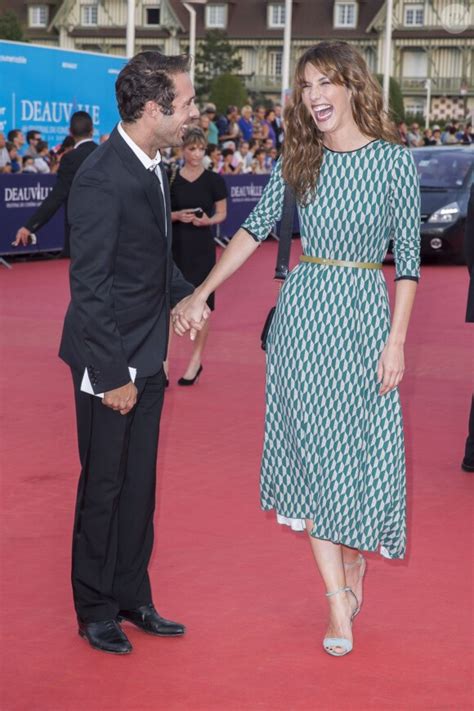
pixel 22 237
pixel 121 399
pixel 190 315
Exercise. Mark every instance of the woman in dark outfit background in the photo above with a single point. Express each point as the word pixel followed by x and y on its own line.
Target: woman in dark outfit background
pixel 194 250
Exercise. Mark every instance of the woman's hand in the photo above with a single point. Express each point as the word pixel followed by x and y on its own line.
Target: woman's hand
pixel 190 315
pixel 390 368
pixel 183 216
pixel 203 221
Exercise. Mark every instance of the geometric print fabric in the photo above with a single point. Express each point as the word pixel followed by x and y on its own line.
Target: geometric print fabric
pixel 333 447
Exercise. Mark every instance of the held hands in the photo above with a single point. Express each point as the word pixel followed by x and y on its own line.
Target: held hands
pixel 190 315
pixel 390 368
pixel 121 399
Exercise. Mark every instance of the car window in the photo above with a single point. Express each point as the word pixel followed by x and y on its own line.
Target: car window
pixel 443 170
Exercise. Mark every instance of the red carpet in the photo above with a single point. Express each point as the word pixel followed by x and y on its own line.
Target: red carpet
pixel 246 588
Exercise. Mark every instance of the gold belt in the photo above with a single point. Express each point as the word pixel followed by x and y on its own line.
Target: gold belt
pixel 340 262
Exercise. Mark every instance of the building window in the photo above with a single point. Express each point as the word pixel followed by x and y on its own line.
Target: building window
pixel 276 16
pixel 345 14
pixel 152 16
pixel 275 61
pixel 415 108
pixel 38 15
pixel 89 15
pixel 415 64
pixel 216 17
pixel 414 15
pixel 249 60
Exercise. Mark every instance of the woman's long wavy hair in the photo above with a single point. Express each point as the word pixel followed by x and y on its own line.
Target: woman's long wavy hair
pixel 303 146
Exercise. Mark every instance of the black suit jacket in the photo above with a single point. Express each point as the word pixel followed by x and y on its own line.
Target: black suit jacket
pixel 469 252
pixel 123 278
pixel 68 167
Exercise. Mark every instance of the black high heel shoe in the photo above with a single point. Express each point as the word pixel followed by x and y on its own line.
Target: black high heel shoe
pixel 190 381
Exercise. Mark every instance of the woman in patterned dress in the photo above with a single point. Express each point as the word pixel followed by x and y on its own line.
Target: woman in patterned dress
pixel 333 459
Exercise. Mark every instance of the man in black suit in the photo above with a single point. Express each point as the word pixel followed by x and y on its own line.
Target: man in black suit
pixel 468 461
pixel 123 284
pixel 81 129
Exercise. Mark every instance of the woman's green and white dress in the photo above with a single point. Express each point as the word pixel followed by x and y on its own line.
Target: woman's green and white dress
pixel 334 449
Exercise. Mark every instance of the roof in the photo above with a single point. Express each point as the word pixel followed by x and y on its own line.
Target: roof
pixel 311 19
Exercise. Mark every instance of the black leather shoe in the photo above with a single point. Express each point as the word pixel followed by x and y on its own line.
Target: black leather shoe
pixel 147 619
pixel 467 465
pixel 106 636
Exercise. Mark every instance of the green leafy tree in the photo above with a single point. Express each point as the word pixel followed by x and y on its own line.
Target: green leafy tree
pixel 227 90
pixel 395 99
pixel 214 56
pixel 10 27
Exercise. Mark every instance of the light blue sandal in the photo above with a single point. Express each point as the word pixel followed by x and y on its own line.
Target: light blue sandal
pixel 330 643
pixel 361 561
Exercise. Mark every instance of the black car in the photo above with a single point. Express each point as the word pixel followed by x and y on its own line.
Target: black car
pixel 446 175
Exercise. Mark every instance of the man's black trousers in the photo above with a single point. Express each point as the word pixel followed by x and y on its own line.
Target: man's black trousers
pixel 113 527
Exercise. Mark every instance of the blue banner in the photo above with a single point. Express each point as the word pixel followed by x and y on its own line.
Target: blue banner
pixel 244 193
pixel 41 87
pixel 20 196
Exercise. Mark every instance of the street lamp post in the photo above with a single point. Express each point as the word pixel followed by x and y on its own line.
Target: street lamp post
pixel 428 102
pixel 192 32
pixel 130 51
pixel 285 79
pixel 387 54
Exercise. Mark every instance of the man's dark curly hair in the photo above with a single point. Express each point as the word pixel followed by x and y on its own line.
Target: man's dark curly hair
pixel 148 77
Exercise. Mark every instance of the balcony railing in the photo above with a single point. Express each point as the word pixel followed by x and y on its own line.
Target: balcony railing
pixel 439 85
pixel 262 82
pixel 409 85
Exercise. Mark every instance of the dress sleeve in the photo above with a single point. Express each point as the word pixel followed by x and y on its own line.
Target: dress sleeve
pixel 269 208
pixel 405 217
pixel 219 187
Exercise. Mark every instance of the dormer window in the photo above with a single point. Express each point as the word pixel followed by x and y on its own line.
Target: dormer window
pixel 38 15
pixel 345 15
pixel 89 15
pixel 216 17
pixel 276 16
pixel 414 15
pixel 152 16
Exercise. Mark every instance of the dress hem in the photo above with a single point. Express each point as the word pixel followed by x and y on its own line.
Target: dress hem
pixel 298 524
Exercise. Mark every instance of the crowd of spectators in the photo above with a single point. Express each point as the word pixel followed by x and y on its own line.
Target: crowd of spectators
pixel 453 133
pixel 31 154
pixel 248 140
pixel 239 141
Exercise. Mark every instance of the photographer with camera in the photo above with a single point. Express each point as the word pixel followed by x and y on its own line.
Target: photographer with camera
pixel 198 201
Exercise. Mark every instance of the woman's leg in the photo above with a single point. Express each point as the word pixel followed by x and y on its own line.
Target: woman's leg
pixel 196 357
pixel 354 566
pixel 329 560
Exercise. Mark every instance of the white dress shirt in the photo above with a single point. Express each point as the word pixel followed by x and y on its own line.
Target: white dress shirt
pixel 147 162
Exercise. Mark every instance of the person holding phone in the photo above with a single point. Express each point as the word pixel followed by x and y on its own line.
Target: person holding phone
pixel 198 201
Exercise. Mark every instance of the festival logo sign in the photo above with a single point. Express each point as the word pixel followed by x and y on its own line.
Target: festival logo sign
pixel 42 87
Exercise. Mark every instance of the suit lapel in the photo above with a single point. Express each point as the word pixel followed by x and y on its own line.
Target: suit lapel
pixel 147 179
